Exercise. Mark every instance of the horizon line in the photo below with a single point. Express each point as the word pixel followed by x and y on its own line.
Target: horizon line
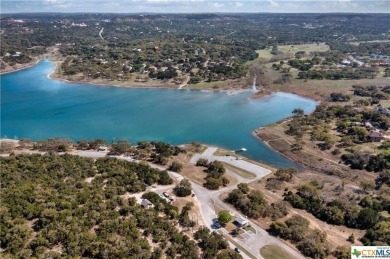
pixel 193 13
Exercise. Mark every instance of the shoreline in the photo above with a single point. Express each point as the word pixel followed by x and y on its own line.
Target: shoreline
pixel 265 93
pixel 312 162
pixel 27 65
pixel 160 85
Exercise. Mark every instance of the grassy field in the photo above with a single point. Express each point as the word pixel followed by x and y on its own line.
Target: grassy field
pixel 239 171
pixel 274 252
pixel 292 49
pixel 321 47
pixel 205 85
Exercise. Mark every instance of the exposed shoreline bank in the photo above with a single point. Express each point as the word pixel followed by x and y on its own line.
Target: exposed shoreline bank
pixel 53 75
pixel 259 95
pixel 23 66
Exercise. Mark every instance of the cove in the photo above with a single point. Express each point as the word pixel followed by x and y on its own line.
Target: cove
pixel 37 107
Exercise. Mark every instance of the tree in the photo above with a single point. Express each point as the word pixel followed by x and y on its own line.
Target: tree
pixel 175 166
pixel 367 218
pixel 224 217
pixel 183 189
pixel 164 178
pixel 216 166
pixel 202 162
pixel 342 252
pixel 351 238
pixel 297 112
pixel 285 174
pixel 120 148
pixel 95 143
pixel 243 187
pixel 225 181
pixel 212 183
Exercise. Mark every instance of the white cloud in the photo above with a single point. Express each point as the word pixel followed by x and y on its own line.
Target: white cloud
pixel 216 5
pixel 239 4
pixel 273 3
pixel 171 1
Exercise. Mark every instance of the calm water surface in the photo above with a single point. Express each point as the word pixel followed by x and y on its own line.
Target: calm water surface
pixel 33 106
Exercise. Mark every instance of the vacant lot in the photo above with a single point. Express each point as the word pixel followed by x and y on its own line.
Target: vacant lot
pixel 274 252
pixel 292 49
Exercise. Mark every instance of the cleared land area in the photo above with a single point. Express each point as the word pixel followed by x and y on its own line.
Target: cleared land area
pixel 274 252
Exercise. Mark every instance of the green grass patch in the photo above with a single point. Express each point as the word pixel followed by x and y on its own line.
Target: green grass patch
pixel 292 49
pixel 205 85
pixel 274 252
pixel 321 47
pixel 241 172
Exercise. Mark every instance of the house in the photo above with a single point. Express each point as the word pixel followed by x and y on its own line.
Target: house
pixel 368 125
pixel 383 110
pixel 346 62
pixel 376 136
pixel 241 222
pixel 147 204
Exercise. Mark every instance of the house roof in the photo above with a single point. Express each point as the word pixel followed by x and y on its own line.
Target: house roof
pixel 146 202
pixel 241 220
pixel 376 134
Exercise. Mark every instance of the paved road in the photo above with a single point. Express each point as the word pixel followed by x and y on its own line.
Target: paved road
pixel 208 199
pixel 100 33
pixel 250 167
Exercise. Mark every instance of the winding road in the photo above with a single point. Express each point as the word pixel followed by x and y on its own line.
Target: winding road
pixel 100 33
pixel 208 199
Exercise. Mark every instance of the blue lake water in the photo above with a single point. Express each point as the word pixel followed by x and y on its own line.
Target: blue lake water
pixel 34 106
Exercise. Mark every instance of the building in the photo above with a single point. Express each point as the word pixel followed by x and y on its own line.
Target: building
pixel 383 110
pixel 376 136
pixel 147 204
pixel 241 222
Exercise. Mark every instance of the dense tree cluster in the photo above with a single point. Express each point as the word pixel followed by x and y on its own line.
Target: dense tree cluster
pixel 311 242
pixel 215 174
pixel 353 126
pixel 171 46
pixel 253 204
pixel 55 206
pixel 337 212
pixel 212 243
pixel 183 189
pixel 376 163
pixel 343 73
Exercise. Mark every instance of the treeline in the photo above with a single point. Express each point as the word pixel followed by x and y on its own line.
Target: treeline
pixel 253 204
pixel 352 124
pixel 365 214
pixel 215 174
pixel 344 73
pixel 310 242
pixel 64 205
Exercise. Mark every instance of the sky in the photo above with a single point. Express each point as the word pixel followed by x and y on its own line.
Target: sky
pixel 196 6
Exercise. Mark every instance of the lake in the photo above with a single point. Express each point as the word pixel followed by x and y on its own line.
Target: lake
pixel 36 107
